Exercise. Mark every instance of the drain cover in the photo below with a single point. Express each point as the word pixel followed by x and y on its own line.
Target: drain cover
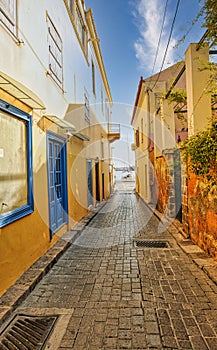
pixel 152 244
pixel 27 332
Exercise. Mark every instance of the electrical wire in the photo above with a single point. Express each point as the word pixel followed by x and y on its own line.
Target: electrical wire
pixel 161 32
pixel 170 35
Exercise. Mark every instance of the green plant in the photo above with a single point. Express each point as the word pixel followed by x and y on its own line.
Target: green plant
pixel 209 10
pixel 178 96
pixel 200 153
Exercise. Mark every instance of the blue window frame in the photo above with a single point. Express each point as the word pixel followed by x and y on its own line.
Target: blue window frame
pixel 16 176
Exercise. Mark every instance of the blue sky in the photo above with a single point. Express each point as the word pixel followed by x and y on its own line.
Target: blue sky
pixel 129 32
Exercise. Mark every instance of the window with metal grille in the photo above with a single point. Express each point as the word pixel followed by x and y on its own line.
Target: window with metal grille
pixel 8 15
pixel 71 4
pixel 102 101
pixel 157 100
pixel 81 28
pixel 137 137
pixel 142 131
pixel 93 79
pixel 87 108
pixel 55 53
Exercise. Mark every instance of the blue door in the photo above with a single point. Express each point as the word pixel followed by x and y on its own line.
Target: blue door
pixel 89 183
pixel 57 182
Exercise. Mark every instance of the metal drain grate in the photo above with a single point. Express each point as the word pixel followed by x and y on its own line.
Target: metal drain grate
pixel 27 332
pixel 152 244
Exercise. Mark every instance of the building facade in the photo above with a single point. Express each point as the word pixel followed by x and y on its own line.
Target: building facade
pixel 55 105
pixel 171 106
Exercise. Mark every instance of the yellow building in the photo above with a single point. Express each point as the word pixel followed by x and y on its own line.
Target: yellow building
pixel 55 105
pixel 161 122
pixel 155 128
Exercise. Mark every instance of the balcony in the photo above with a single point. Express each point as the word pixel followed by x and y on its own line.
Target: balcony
pixel 113 132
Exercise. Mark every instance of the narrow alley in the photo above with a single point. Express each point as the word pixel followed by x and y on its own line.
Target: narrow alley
pixel 111 292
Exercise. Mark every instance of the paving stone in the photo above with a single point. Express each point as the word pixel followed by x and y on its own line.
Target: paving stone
pixel 211 343
pixel 206 330
pixel 153 340
pixel 121 296
pixel 198 343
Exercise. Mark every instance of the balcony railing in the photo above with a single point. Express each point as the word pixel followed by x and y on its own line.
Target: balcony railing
pixel 113 132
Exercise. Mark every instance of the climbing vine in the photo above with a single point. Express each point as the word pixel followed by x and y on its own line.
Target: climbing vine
pixel 200 153
pixel 209 10
pixel 178 96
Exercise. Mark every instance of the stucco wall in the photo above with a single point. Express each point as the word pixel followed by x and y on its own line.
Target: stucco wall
pixel 26 64
pixel 202 214
pixel 162 174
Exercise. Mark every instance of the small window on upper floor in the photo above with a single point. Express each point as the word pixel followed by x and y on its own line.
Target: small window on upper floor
pixel 87 108
pixel 77 17
pixel 142 130
pixel 55 53
pixel 8 15
pixel 81 28
pixel 137 137
pixel 102 101
pixel 157 100
pixel 71 5
pixel 93 79
pixel 107 111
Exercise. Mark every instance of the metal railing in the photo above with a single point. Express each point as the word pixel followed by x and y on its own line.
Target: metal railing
pixel 114 128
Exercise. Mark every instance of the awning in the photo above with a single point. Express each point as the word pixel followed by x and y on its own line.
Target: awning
pixel 82 136
pixel 60 122
pixel 68 128
pixel 20 92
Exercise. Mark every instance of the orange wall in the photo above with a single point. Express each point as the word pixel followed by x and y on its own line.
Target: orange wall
pixel 202 215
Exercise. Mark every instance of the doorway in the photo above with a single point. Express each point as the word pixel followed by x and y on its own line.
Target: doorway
pixel 57 182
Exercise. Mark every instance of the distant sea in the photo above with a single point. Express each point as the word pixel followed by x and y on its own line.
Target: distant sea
pixel 121 175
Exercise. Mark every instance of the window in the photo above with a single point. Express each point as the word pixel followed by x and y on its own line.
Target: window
pixel 93 79
pixel 8 15
pixel 102 101
pixel 157 100
pixel 16 198
pixel 107 111
pixel 142 130
pixel 55 53
pixel 76 13
pixel 87 108
pixel 137 137
pixel 102 146
pixel 81 29
pixel 71 4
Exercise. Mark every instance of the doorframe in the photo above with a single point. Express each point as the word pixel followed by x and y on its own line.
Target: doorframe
pixel 55 137
pixel 103 185
pixel 97 181
pixel 90 200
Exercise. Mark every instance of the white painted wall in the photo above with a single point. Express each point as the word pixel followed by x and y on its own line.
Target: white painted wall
pixel 28 63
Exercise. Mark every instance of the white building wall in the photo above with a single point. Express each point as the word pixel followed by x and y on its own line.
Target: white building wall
pixel 32 57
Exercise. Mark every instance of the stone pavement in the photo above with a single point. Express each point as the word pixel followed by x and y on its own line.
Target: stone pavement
pixel 111 294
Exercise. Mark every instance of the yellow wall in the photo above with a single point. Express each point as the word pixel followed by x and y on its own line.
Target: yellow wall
pixel 141 122
pixel 25 240
pixel 197 86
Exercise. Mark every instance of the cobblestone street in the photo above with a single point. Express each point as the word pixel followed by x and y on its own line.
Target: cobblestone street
pixel 113 294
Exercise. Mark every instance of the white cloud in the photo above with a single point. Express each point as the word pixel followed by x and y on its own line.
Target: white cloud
pixel 149 16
